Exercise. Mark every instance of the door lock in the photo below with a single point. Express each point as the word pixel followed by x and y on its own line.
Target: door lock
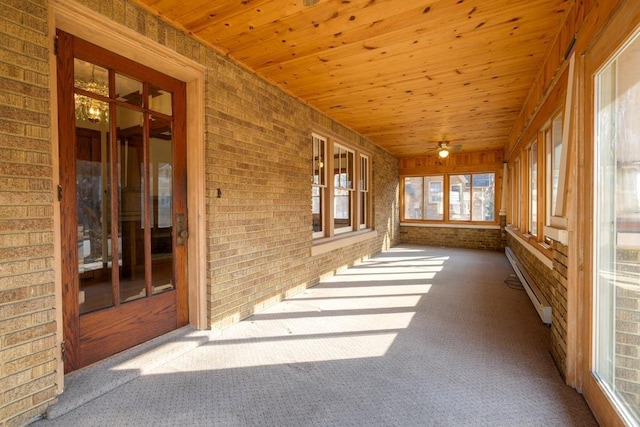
pixel 181 226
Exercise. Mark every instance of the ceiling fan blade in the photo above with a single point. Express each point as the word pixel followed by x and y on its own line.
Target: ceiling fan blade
pixel 456 147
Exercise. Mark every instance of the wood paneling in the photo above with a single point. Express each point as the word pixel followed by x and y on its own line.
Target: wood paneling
pixel 488 161
pixel 405 74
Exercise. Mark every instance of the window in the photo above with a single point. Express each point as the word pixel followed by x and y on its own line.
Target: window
pixel 318 189
pixel 616 210
pixel 517 190
pixel 413 197
pixel 434 200
pixel 470 197
pixel 482 197
pixel 459 197
pixel 364 192
pixel 342 189
pixel 533 189
pixel 341 202
pixel 553 143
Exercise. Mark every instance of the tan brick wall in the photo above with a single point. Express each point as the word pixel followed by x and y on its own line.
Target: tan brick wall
pixel 258 234
pixel 553 285
pixel 559 304
pixel 469 238
pixel 627 335
pixel 27 317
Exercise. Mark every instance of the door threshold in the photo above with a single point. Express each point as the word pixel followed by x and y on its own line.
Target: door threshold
pixel 93 381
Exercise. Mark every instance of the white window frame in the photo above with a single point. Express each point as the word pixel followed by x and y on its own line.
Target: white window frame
pixel 534 184
pixel 363 190
pixel 319 181
pixel 348 187
pixel 359 176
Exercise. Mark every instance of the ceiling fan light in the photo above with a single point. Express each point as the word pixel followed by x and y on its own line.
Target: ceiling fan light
pixel 444 153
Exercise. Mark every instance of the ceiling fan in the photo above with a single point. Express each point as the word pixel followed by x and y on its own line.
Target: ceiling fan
pixel 444 148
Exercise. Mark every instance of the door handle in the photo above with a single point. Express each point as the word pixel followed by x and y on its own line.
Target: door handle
pixel 181 226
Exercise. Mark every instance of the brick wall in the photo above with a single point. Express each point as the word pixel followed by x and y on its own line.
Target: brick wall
pixel 470 238
pixel 553 285
pixel 27 317
pixel 260 230
pixel 559 304
pixel 257 143
pixel 627 332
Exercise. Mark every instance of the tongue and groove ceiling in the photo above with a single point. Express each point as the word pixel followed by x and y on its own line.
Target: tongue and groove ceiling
pixel 404 73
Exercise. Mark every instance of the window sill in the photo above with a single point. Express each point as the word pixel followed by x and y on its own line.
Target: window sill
pixel 450 225
pixel 541 250
pixel 328 244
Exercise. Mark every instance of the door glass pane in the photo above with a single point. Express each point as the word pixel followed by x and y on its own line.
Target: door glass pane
pixel 91 78
pixel 131 203
pixel 161 186
pixel 160 100
pixel 94 216
pixel 128 90
pixel 617 230
pixel 459 197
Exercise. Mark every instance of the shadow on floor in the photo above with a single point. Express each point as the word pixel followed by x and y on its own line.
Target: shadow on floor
pixel 416 336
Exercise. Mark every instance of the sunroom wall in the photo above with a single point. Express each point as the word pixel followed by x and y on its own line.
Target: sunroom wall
pixel 559 243
pixel 258 234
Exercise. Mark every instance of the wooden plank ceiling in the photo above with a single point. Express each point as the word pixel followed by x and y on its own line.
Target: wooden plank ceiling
pixel 404 73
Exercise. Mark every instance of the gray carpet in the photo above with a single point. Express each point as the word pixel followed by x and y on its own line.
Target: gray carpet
pixel 413 337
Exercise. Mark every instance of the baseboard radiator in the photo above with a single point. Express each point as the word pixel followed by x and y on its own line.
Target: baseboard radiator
pixel 539 301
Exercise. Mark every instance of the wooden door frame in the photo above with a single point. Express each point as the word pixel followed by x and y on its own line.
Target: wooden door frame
pixel 79 21
pixel 615 32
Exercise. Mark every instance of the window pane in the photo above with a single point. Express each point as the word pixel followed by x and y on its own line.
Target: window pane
pixel 131 204
pixel 318 179
pixel 161 187
pixel 94 79
pixel 343 168
pixel 343 185
pixel 342 210
pixel 160 100
pixel 319 147
pixel 93 166
pixel 364 195
pixel 433 198
pixel 556 137
pixel 533 190
pixel 364 203
pixel 483 197
pixel 413 197
pixel 459 197
pixel 316 209
pixel 617 230
pixel 128 90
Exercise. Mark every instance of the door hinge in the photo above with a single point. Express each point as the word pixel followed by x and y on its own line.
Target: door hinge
pixel 55 45
pixel 59 193
pixel 63 351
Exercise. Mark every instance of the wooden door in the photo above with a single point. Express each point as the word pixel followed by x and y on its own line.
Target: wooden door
pixel 123 201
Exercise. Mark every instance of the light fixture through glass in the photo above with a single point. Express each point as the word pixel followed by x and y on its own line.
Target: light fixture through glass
pixel 88 108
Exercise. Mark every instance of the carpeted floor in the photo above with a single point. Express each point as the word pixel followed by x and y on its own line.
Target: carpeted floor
pixel 413 337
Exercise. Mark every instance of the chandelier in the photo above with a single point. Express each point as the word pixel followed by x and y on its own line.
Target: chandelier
pixel 88 108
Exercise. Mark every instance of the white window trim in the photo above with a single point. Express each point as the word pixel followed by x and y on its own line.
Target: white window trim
pixel 329 232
